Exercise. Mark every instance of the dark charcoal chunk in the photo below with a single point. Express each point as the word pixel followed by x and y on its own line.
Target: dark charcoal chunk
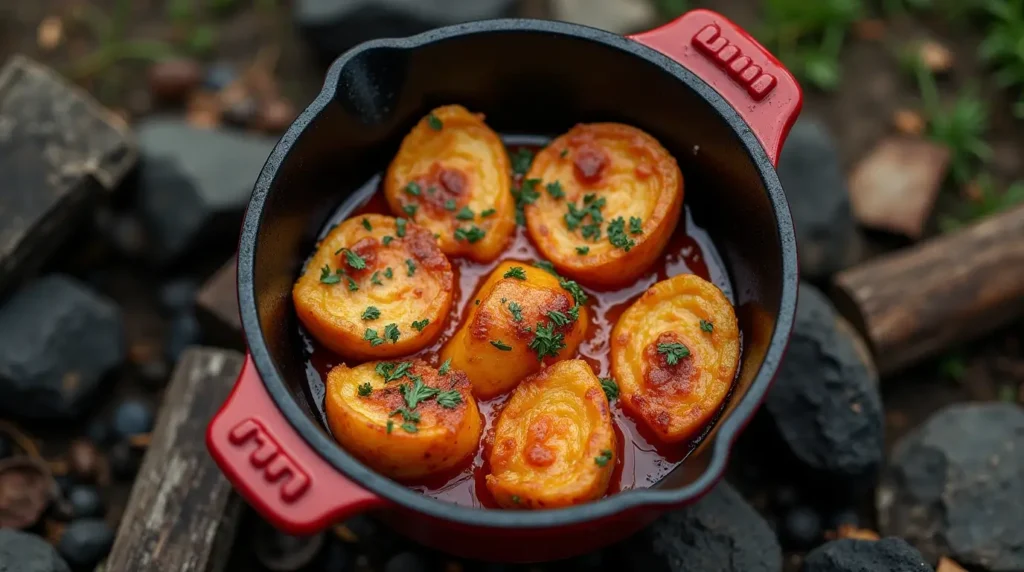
pixel 60 151
pixel 813 179
pixel 195 183
pixel 825 402
pixel 86 542
pixel 333 26
pixel 335 557
pixel 720 532
pixel 851 555
pixel 183 332
pixel 85 501
pixel 99 432
pixel 125 460
pixel 178 295
pixel 23 552
pixel 57 340
pixel 406 562
pixel 132 417
pixel 955 487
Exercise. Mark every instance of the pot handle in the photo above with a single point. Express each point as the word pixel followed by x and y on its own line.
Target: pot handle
pixel 274 468
pixel 728 59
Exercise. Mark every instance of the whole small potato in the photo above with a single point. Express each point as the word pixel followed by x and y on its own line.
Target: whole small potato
pixel 674 354
pixel 608 200
pixel 526 318
pixel 452 176
pixel 554 445
pixel 376 287
pixel 405 419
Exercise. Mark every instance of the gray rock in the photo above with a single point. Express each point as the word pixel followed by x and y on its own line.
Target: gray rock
pixel 815 186
pixel 194 183
pixel 852 555
pixel 85 542
pixel 720 532
pixel 955 487
pixel 24 552
pixel 334 26
pixel 825 402
pixel 58 339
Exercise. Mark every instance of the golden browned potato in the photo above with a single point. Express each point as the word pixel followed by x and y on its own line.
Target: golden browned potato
pixel 554 445
pixel 376 287
pixel 609 197
pixel 406 419
pixel 525 318
pixel 674 354
pixel 451 175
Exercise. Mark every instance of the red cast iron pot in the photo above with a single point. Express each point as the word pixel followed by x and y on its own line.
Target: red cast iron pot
pixel 713 96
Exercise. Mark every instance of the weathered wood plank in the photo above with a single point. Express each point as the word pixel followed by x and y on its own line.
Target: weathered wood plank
pixel 182 512
pixel 217 307
pixel 59 151
pixel 914 303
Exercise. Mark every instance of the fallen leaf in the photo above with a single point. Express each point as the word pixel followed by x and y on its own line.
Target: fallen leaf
pixel 947 565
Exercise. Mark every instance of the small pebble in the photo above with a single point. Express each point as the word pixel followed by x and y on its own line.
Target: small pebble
pixel 124 460
pixel 406 562
pixel 83 460
pixel 171 81
pixel 276 116
pixel 132 417
pixel 85 501
pixel 98 432
pixel 6 448
pixel 219 76
pixel 802 527
pixel 85 542
pixel 183 332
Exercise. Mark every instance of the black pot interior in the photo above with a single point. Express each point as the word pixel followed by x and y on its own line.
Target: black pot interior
pixel 527 77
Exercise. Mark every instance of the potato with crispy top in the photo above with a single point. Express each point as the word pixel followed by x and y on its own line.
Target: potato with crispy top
pixel 674 354
pixel 608 200
pixel 554 445
pixel 526 318
pixel 376 287
pixel 407 419
pixel 451 175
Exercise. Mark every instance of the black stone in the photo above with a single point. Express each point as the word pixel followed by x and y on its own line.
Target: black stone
pixel 194 184
pixel 154 372
pixel 132 417
pixel 99 432
pixel 182 332
pixel 85 501
pixel 802 527
pixel 955 487
pixel 85 542
pixel 825 404
pixel 178 295
pixel 334 557
pixel 123 231
pixel 65 483
pixel 58 339
pixel 786 496
pixel 24 552
pixel 334 26
pixel 124 460
pixel 853 555
pixel 812 177
pixel 406 562
pixel 720 532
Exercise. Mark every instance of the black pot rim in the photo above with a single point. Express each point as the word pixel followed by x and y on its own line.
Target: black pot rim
pixel 728 427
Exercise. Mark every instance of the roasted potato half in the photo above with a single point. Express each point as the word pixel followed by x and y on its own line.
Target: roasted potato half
pixel 608 200
pixel 526 318
pixel 554 445
pixel 405 419
pixel 451 176
pixel 376 287
pixel 674 354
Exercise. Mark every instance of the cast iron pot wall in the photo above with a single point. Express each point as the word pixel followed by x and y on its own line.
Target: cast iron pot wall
pixel 538 78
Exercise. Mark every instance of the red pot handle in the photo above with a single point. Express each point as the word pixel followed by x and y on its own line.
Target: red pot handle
pixel 273 467
pixel 722 54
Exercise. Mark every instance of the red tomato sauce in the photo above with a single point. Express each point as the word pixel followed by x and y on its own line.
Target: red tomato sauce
pixel 641 461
